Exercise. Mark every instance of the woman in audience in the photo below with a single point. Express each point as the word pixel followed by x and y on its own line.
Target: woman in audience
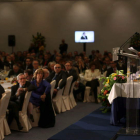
pixel 91 76
pixel 80 65
pixel 41 98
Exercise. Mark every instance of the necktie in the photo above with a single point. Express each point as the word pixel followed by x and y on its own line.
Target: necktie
pixel 54 78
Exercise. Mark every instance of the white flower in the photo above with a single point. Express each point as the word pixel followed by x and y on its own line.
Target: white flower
pixel 106 84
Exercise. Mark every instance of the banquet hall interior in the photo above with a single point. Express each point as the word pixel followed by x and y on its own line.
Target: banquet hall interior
pixel 40 35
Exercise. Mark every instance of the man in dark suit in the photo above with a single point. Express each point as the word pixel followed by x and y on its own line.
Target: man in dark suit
pixel 57 75
pixel 70 71
pixel 15 71
pixel 17 98
pixel 63 47
pixel 1 91
pixel 84 36
pixel 113 68
pixel 28 64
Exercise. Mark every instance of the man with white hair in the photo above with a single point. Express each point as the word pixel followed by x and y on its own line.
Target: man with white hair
pixel 17 98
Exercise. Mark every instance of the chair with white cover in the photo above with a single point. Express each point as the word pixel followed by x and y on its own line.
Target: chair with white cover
pixel 4 128
pixel 23 116
pixel 52 89
pixel 72 99
pixel 90 98
pixel 57 101
pixel 65 97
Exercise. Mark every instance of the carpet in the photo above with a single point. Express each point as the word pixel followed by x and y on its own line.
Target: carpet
pixel 94 126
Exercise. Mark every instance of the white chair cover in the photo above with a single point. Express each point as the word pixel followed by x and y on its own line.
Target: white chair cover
pixel 72 99
pixel 4 128
pixel 88 97
pixel 23 116
pixel 65 97
pixel 57 101
pixel 36 115
pixel 52 89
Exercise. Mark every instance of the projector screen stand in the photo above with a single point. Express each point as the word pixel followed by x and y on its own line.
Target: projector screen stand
pixel 84 47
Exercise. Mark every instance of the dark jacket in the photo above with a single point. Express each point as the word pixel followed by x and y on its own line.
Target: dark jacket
pixel 13 73
pixel 22 95
pixel 62 75
pixel 73 73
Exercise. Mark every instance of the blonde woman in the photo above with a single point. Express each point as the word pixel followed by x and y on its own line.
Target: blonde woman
pixel 40 95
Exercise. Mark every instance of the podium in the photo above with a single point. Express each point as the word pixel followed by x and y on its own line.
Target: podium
pixel 132 126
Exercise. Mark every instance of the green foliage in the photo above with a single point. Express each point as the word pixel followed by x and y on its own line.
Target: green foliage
pixel 117 77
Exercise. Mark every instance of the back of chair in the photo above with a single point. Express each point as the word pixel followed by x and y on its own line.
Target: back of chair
pixel 68 85
pixel 53 86
pixel 26 101
pixel 73 84
pixel 4 103
pixel 60 91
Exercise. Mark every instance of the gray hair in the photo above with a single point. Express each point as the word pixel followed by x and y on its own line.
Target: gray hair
pixel 19 75
pixel 50 63
pixel 46 70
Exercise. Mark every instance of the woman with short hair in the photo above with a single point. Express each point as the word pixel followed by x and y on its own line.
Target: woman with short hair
pixel 40 97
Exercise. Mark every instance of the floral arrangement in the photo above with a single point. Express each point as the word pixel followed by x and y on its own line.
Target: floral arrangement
pixel 39 41
pixel 135 40
pixel 14 81
pixel 117 77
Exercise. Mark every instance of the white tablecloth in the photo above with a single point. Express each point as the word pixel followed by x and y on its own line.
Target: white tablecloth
pixel 6 85
pixel 129 90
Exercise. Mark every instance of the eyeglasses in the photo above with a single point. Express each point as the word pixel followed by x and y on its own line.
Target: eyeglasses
pixel 57 67
pixel 22 78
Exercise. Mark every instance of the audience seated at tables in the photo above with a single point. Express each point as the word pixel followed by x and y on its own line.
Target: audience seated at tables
pixel 57 75
pixel 28 64
pixel 17 98
pixel 28 74
pixel 1 91
pixel 15 71
pixel 91 76
pixel 41 98
pixel 35 65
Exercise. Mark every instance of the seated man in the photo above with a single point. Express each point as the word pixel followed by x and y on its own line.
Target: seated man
pixel 28 64
pixel 17 98
pixel 35 65
pixel 28 74
pixel 15 71
pixel 113 68
pixel 46 73
pixel 70 71
pixel 1 91
pixel 57 75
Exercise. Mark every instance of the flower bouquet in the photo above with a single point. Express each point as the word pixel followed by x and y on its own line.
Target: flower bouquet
pixel 14 81
pixel 117 77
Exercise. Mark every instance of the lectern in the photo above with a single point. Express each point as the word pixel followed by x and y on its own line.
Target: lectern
pixel 132 101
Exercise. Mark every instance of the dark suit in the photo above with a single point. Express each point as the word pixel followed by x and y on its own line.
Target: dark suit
pixel 83 37
pixel 61 75
pixel 73 73
pixel 1 91
pixel 109 71
pixel 13 73
pixel 28 67
pixel 15 104
pixel 10 65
